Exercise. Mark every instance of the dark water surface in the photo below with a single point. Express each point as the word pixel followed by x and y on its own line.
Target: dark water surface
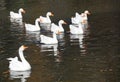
pixel 92 57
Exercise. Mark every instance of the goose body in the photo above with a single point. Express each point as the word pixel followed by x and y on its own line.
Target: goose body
pixel 49 40
pixel 47 18
pixel 58 28
pixel 76 29
pixel 17 15
pixel 16 65
pixel 30 27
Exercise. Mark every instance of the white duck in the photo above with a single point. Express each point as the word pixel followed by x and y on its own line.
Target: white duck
pixel 76 29
pixel 17 15
pixel 58 28
pixel 30 27
pixel 49 40
pixel 47 18
pixel 77 19
pixel 16 65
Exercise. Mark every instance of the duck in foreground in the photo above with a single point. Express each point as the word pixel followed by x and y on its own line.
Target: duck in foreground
pixel 17 15
pixel 30 27
pixel 16 65
pixel 49 40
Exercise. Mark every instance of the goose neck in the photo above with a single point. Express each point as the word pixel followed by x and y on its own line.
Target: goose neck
pixel 20 13
pixel 60 24
pixel 48 16
pixel 22 56
pixel 37 23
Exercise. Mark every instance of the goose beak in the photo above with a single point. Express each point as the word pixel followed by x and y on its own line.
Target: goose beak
pixel 52 14
pixel 88 13
pixel 24 47
pixel 64 23
pixel 23 11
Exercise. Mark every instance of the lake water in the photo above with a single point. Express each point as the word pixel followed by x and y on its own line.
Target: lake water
pixel 92 57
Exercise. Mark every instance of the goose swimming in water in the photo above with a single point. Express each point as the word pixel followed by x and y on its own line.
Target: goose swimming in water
pixel 17 15
pixel 16 65
pixel 47 18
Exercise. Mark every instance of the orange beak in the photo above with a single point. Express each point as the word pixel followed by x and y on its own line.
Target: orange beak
pixel 23 11
pixel 88 13
pixel 25 47
pixel 64 23
pixel 52 14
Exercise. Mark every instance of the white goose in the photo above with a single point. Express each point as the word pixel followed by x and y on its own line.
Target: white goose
pixel 58 28
pixel 16 65
pixel 49 40
pixel 47 18
pixel 77 19
pixel 76 29
pixel 17 15
pixel 30 27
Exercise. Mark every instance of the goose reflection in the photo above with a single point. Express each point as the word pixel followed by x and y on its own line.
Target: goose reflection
pixel 32 36
pixel 16 21
pixel 45 26
pixel 60 36
pixel 77 39
pixel 20 75
pixel 16 25
pixel 50 48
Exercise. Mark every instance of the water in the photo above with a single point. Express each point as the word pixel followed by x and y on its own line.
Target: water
pixel 92 57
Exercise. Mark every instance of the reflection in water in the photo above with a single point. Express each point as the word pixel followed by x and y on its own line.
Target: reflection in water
pixel 33 36
pixel 16 25
pixel 76 39
pixel 60 37
pixel 47 48
pixel 16 21
pixel 52 49
pixel 22 75
pixel 45 26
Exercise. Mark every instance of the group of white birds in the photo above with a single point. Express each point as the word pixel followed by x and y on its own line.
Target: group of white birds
pixel 77 27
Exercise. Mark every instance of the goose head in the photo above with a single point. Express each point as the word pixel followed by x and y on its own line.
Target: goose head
pixel 50 14
pixel 22 10
pixel 62 22
pixel 22 48
pixel 87 12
